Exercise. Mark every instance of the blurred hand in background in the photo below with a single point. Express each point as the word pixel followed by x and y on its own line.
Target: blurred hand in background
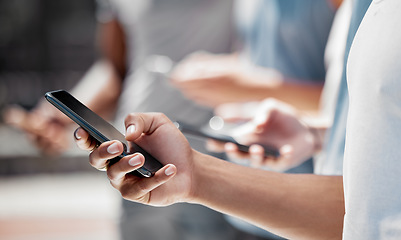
pixel 44 125
pixel 278 125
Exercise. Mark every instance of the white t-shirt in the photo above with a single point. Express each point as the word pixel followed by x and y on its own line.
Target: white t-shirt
pixel 372 165
pixel 172 28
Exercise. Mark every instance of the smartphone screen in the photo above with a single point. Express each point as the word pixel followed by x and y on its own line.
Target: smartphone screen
pixel 99 128
pixel 185 128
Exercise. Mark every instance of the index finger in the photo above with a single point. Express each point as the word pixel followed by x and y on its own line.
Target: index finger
pixel 101 156
pixel 143 123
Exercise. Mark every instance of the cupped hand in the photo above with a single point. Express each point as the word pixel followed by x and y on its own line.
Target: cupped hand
pixel 278 125
pixel 157 135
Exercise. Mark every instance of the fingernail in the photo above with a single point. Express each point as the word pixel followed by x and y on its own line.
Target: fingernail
pixel 286 149
pixel 135 161
pixel 131 129
pixel 256 149
pixel 77 136
pixel 113 148
pixel 169 171
pixel 230 147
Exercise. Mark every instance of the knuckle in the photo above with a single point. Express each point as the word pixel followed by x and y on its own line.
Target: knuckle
pixel 269 102
pixel 142 187
pixel 129 193
pixel 92 160
pixel 158 181
pixel 113 184
pixel 103 154
pixel 110 175
pixel 160 115
pixel 125 192
pixel 131 115
pixel 129 118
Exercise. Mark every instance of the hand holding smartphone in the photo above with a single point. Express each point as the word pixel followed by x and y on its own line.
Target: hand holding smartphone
pixel 99 128
pixel 185 128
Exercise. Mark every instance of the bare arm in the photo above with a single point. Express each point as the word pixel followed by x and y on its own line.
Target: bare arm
pixel 294 206
pixel 216 79
pixel 105 80
pixel 305 97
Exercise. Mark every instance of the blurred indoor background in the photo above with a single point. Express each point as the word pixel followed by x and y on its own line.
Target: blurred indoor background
pixel 47 45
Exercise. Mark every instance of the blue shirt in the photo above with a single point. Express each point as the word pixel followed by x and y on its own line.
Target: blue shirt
pixel 335 141
pixel 287 35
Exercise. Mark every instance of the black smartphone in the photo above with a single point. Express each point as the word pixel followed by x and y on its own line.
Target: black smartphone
pixel 191 130
pixel 99 128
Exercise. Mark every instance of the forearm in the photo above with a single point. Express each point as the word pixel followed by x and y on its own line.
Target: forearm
pixel 295 206
pixel 100 88
pixel 104 79
pixel 305 97
pixel 262 83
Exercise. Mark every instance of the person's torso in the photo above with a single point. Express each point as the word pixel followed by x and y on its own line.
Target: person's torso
pixel 171 28
pixel 372 166
pixel 287 35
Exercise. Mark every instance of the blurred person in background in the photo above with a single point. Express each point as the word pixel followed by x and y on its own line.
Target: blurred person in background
pixel 139 41
pixel 282 52
pixel 282 58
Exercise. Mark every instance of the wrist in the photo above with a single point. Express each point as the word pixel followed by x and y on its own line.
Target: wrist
pixel 196 177
pixel 317 139
pixel 204 171
pixel 316 132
